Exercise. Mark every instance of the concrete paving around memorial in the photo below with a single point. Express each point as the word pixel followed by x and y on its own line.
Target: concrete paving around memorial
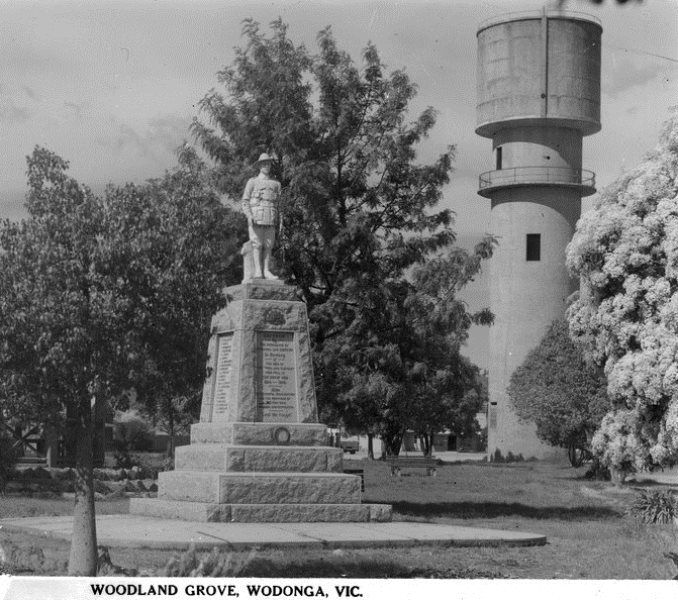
pixel 148 532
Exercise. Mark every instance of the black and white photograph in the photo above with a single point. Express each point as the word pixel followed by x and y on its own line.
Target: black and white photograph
pixel 345 300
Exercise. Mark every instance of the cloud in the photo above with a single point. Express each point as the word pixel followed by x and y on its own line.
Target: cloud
pixel 18 104
pixel 160 138
pixel 123 137
pixel 23 59
pixel 74 108
pixel 11 113
pixel 168 131
pixel 627 73
pixel 29 92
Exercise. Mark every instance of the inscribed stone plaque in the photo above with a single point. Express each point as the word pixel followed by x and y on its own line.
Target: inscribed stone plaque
pixel 276 377
pixel 222 378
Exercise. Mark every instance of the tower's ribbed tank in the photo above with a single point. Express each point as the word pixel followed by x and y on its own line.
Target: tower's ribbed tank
pixel 536 66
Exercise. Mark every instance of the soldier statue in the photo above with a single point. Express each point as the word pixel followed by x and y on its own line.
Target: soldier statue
pixel 260 205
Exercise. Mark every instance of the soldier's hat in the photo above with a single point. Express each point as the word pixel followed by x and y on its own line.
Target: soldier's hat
pixel 263 157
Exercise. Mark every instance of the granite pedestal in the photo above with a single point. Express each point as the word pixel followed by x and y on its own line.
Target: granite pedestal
pixel 258 453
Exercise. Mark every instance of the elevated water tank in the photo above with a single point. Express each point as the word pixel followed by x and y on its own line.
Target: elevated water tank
pixel 539 65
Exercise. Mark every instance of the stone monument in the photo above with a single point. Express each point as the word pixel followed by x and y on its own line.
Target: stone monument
pixel 258 453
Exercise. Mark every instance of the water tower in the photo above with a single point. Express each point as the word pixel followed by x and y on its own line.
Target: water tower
pixel 538 96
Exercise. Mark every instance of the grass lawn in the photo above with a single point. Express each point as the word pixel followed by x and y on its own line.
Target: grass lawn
pixel 589 535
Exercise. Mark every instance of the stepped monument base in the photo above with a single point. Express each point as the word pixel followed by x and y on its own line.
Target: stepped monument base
pixel 258 453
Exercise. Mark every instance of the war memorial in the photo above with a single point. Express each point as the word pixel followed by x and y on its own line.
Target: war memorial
pixel 258 452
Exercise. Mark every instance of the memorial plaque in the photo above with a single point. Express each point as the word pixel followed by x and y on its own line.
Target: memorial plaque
pixel 276 377
pixel 222 378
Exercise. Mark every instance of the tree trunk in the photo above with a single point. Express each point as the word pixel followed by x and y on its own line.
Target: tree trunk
pixel 618 476
pixel 83 557
pixel 170 426
pixel 51 446
pixel 393 442
pixel 99 433
pixel 427 444
pixel 370 446
pixel 72 431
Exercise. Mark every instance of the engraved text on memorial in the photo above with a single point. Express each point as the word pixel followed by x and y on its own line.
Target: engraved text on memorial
pixel 275 378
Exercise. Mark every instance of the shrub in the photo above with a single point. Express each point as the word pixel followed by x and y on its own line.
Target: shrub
pixel 482 439
pixel 654 507
pixel 213 564
pixel 151 463
pixel 106 568
pixel 131 432
pixel 557 390
pixel 124 460
pixel 16 559
pixel 618 444
pixel 8 458
pixel 498 457
pixel 167 464
pixel 596 471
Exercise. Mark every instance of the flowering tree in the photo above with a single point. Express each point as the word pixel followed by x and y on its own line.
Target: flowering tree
pixel 625 251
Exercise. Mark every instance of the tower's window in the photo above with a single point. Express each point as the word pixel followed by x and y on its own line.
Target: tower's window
pixel 498 158
pixel 533 246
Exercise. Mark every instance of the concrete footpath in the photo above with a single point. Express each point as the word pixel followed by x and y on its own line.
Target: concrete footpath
pixel 134 531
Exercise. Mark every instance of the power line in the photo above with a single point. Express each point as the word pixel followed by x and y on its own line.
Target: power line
pixel 635 51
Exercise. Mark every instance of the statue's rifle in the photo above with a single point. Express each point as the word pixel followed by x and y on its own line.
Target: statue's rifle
pixel 281 235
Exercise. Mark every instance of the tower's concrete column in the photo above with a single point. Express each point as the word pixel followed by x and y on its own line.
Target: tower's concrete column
pixel 538 95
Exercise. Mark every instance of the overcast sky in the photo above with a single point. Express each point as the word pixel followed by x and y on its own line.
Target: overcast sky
pixel 112 86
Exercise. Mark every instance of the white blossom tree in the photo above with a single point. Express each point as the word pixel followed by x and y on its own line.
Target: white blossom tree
pixel 625 251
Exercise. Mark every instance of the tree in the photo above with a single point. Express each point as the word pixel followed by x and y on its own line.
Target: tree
pixel 396 365
pixel 557 390
pixel 449 388
pixel 359 213
pixel 345 162
pixel 172 238
pixel 625 251
pixel 99 295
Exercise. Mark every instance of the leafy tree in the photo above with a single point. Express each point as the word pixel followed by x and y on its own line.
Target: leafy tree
pixel 359 212
pixel 449 388
pixel 625 251
pixel 556 389
pixel 99 295
pixel 396 365
pixel 352 192
pixel 176 247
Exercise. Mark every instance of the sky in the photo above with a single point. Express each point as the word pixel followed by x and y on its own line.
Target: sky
pixel 112 86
